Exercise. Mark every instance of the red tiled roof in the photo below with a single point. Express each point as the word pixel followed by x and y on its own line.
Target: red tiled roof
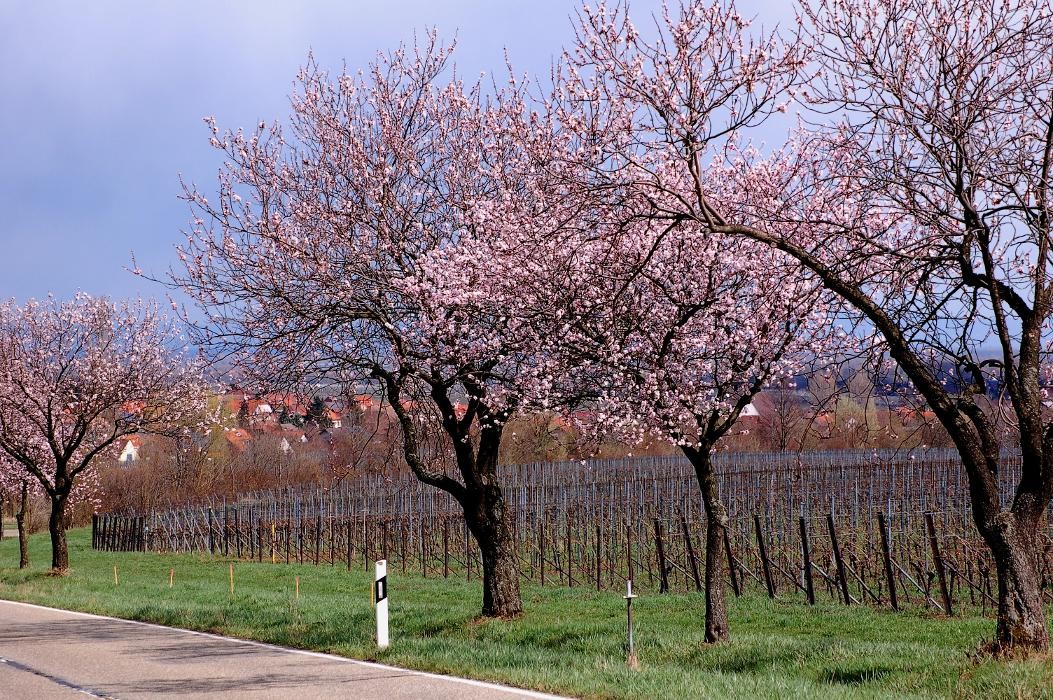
pixel 365 401
pixel 238 438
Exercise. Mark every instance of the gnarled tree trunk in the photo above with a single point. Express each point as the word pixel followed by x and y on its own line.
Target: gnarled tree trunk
pixel 20 520
pixel 479 492
pixel 717 628
pixel 1012 535
pixel 490 524
pixel 1021 613
pixel 57 529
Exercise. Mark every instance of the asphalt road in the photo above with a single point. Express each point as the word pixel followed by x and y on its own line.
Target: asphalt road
pixel 47 653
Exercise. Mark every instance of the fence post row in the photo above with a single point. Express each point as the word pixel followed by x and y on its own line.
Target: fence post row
pixel 577 524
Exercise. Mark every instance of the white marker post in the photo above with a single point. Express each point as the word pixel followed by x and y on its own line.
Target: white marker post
pixel 630 658
pixel 380 598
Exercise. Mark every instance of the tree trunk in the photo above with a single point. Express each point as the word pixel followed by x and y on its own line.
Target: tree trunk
pixel 490 524
pixel 717 629
pixel 20 519
pixel 1021 613
pixel 57 528
pixel 480 496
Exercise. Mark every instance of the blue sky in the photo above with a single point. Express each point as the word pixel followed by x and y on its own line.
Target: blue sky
pixel 101 104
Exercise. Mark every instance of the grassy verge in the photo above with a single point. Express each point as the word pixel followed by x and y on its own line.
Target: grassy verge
pixel 569 641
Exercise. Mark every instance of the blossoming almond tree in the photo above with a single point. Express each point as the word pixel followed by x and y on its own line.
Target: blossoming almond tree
pixel 673 327
pixel 940 138
pixel 667 332
pixel 668 335
pixel 947 118
pixel 315 263
pixel 76 377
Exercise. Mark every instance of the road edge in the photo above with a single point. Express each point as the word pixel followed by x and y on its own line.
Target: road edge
pixel 535 694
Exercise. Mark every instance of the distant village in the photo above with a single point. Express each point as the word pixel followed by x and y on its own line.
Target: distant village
pixel 281 438
pixel 291 418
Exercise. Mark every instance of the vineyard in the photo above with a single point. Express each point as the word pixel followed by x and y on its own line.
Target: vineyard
pixel 863 527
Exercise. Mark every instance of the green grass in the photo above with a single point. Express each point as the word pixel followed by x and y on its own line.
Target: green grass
pixel 569 641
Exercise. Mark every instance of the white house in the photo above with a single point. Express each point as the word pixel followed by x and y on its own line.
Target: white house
pixel 130 453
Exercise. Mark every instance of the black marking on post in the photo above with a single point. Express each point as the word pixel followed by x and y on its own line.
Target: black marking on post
pixel 380 588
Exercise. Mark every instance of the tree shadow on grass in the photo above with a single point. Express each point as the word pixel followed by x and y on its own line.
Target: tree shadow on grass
pixel 747 660
pixel 750 661
pixel 439 628
pixel 859 676
pixel 18 577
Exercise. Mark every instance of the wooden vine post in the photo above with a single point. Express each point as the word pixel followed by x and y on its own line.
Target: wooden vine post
pixel 941 574
pixel 838 561
pixel 809 586
pixel 663 571
pixel 886 555
pixel 765 563
pixel 689 548
pixel 731 564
